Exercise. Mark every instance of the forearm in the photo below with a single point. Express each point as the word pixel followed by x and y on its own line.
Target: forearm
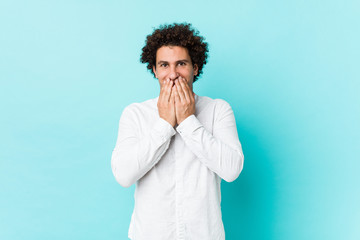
pixel 222 154
pixel 133 156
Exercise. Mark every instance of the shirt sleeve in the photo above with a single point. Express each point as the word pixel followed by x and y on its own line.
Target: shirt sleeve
pixel 136 152
pixel 220 151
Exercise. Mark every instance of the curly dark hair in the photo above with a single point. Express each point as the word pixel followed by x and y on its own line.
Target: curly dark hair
pixel 182 35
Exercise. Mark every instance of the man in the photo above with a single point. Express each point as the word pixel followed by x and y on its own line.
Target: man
pixel 178 146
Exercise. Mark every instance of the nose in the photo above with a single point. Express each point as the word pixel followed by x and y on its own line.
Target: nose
pixel 173 73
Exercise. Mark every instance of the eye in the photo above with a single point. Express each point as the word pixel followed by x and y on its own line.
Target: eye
pixel 182 63
pixel 163 65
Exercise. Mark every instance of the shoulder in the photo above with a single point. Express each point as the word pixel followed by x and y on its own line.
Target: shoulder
pixel 139 110
pixel 141 106
pixel 217 102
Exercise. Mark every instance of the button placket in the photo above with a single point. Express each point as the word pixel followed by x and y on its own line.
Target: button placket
pixel 179 190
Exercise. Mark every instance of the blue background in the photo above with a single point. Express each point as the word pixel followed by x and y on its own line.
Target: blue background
pixel 289 69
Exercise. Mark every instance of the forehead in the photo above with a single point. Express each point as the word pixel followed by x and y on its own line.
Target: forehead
pixel 172 53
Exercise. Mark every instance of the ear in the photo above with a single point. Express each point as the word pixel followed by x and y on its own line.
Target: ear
pixel 154 70
pixel 196 69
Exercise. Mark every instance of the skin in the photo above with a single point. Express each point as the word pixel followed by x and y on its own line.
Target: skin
pixel 175 73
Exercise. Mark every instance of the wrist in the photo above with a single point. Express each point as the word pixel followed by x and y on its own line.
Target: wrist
pixel 183 119
pixel 171 122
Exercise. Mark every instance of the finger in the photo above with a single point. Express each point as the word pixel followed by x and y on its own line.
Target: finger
pixel 191 94
pixel 185 88
pixel 190 91
pixel 165 91
pixel 168 90
pixel 163 86
pixel 161 95
pixel 172 95
pixel 180 91
pixel 176 94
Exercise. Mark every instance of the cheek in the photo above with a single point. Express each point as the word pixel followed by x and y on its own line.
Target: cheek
pixel 187 73
pixel 190 75
pixel 161 74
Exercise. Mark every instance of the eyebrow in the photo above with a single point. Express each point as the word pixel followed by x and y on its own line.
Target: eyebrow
pixel 183 60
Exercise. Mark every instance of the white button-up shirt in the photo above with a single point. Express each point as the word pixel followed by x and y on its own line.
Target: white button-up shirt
pixel 177 171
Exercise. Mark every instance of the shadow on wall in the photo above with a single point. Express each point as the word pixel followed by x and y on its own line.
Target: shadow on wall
pixel 248 204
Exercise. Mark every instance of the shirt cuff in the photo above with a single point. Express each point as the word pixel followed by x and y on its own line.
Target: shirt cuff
pixel 188 126
pixel 164 129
